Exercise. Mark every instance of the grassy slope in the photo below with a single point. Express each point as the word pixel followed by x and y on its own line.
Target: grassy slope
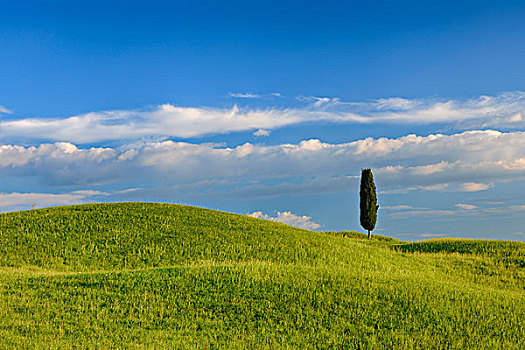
pixel 137 275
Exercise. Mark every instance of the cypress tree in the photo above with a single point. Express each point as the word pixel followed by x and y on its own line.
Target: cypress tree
pixel 368 201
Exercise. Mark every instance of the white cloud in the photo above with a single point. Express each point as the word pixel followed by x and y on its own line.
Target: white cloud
pixel 515 118
pixel 128 190
pixel 406 211
pixel 516 207
pixel 465 162
pixel 90 193
pixel 436 187
pixel 406 189
pixel 244 95
pixel 397 103
pixel 422 213
pixel 5 110
pixel 250 95
pixel 475 187
pixel 431 168
pixel 399 207
pixel 261 132
pixel 505 209
pixel 286 217
pixel 167 120
pixel 162 121
pixel 431 235
pixel 17 200
pixel 466 206
pixel 59 152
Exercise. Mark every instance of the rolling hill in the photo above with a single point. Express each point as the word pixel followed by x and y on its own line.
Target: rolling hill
pixel 146 275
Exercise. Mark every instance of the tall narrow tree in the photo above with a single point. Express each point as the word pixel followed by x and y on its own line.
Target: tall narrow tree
pixel 368 201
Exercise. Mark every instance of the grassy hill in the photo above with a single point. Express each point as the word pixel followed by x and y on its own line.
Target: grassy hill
pixel 137 275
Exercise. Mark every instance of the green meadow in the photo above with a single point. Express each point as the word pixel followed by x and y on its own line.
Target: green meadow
pixel 160 276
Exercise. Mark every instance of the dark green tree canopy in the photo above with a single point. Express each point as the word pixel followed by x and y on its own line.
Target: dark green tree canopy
pixel 368 200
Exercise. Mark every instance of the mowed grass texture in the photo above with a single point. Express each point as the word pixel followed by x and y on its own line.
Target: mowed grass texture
pixel 159 276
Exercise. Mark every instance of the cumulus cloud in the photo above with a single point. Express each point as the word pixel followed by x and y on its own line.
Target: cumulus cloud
pixel 63 164
pixel 261 132
pixel 464 162
pixel 167 120
pixel 286 217
pixel 60 152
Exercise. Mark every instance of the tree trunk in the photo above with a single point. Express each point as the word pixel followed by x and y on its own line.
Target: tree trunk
pixel 369 235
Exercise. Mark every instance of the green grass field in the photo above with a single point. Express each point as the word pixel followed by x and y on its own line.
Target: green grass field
pixel 159 276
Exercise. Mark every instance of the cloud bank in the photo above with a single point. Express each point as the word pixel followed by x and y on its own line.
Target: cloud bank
pixel 470 161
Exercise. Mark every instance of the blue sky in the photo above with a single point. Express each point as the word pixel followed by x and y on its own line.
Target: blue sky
pixel 270 109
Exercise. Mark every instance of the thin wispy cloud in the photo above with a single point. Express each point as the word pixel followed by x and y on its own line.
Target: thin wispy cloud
pixel 466 206
pixel 432 235
pixel 5 110
pixel 243 95
pixel 399 207
pixel 162 121
pixel 39 200
pixel 169 121
pixel 475 187
pixel 250 95
pixel 422 213
pixel 316 101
